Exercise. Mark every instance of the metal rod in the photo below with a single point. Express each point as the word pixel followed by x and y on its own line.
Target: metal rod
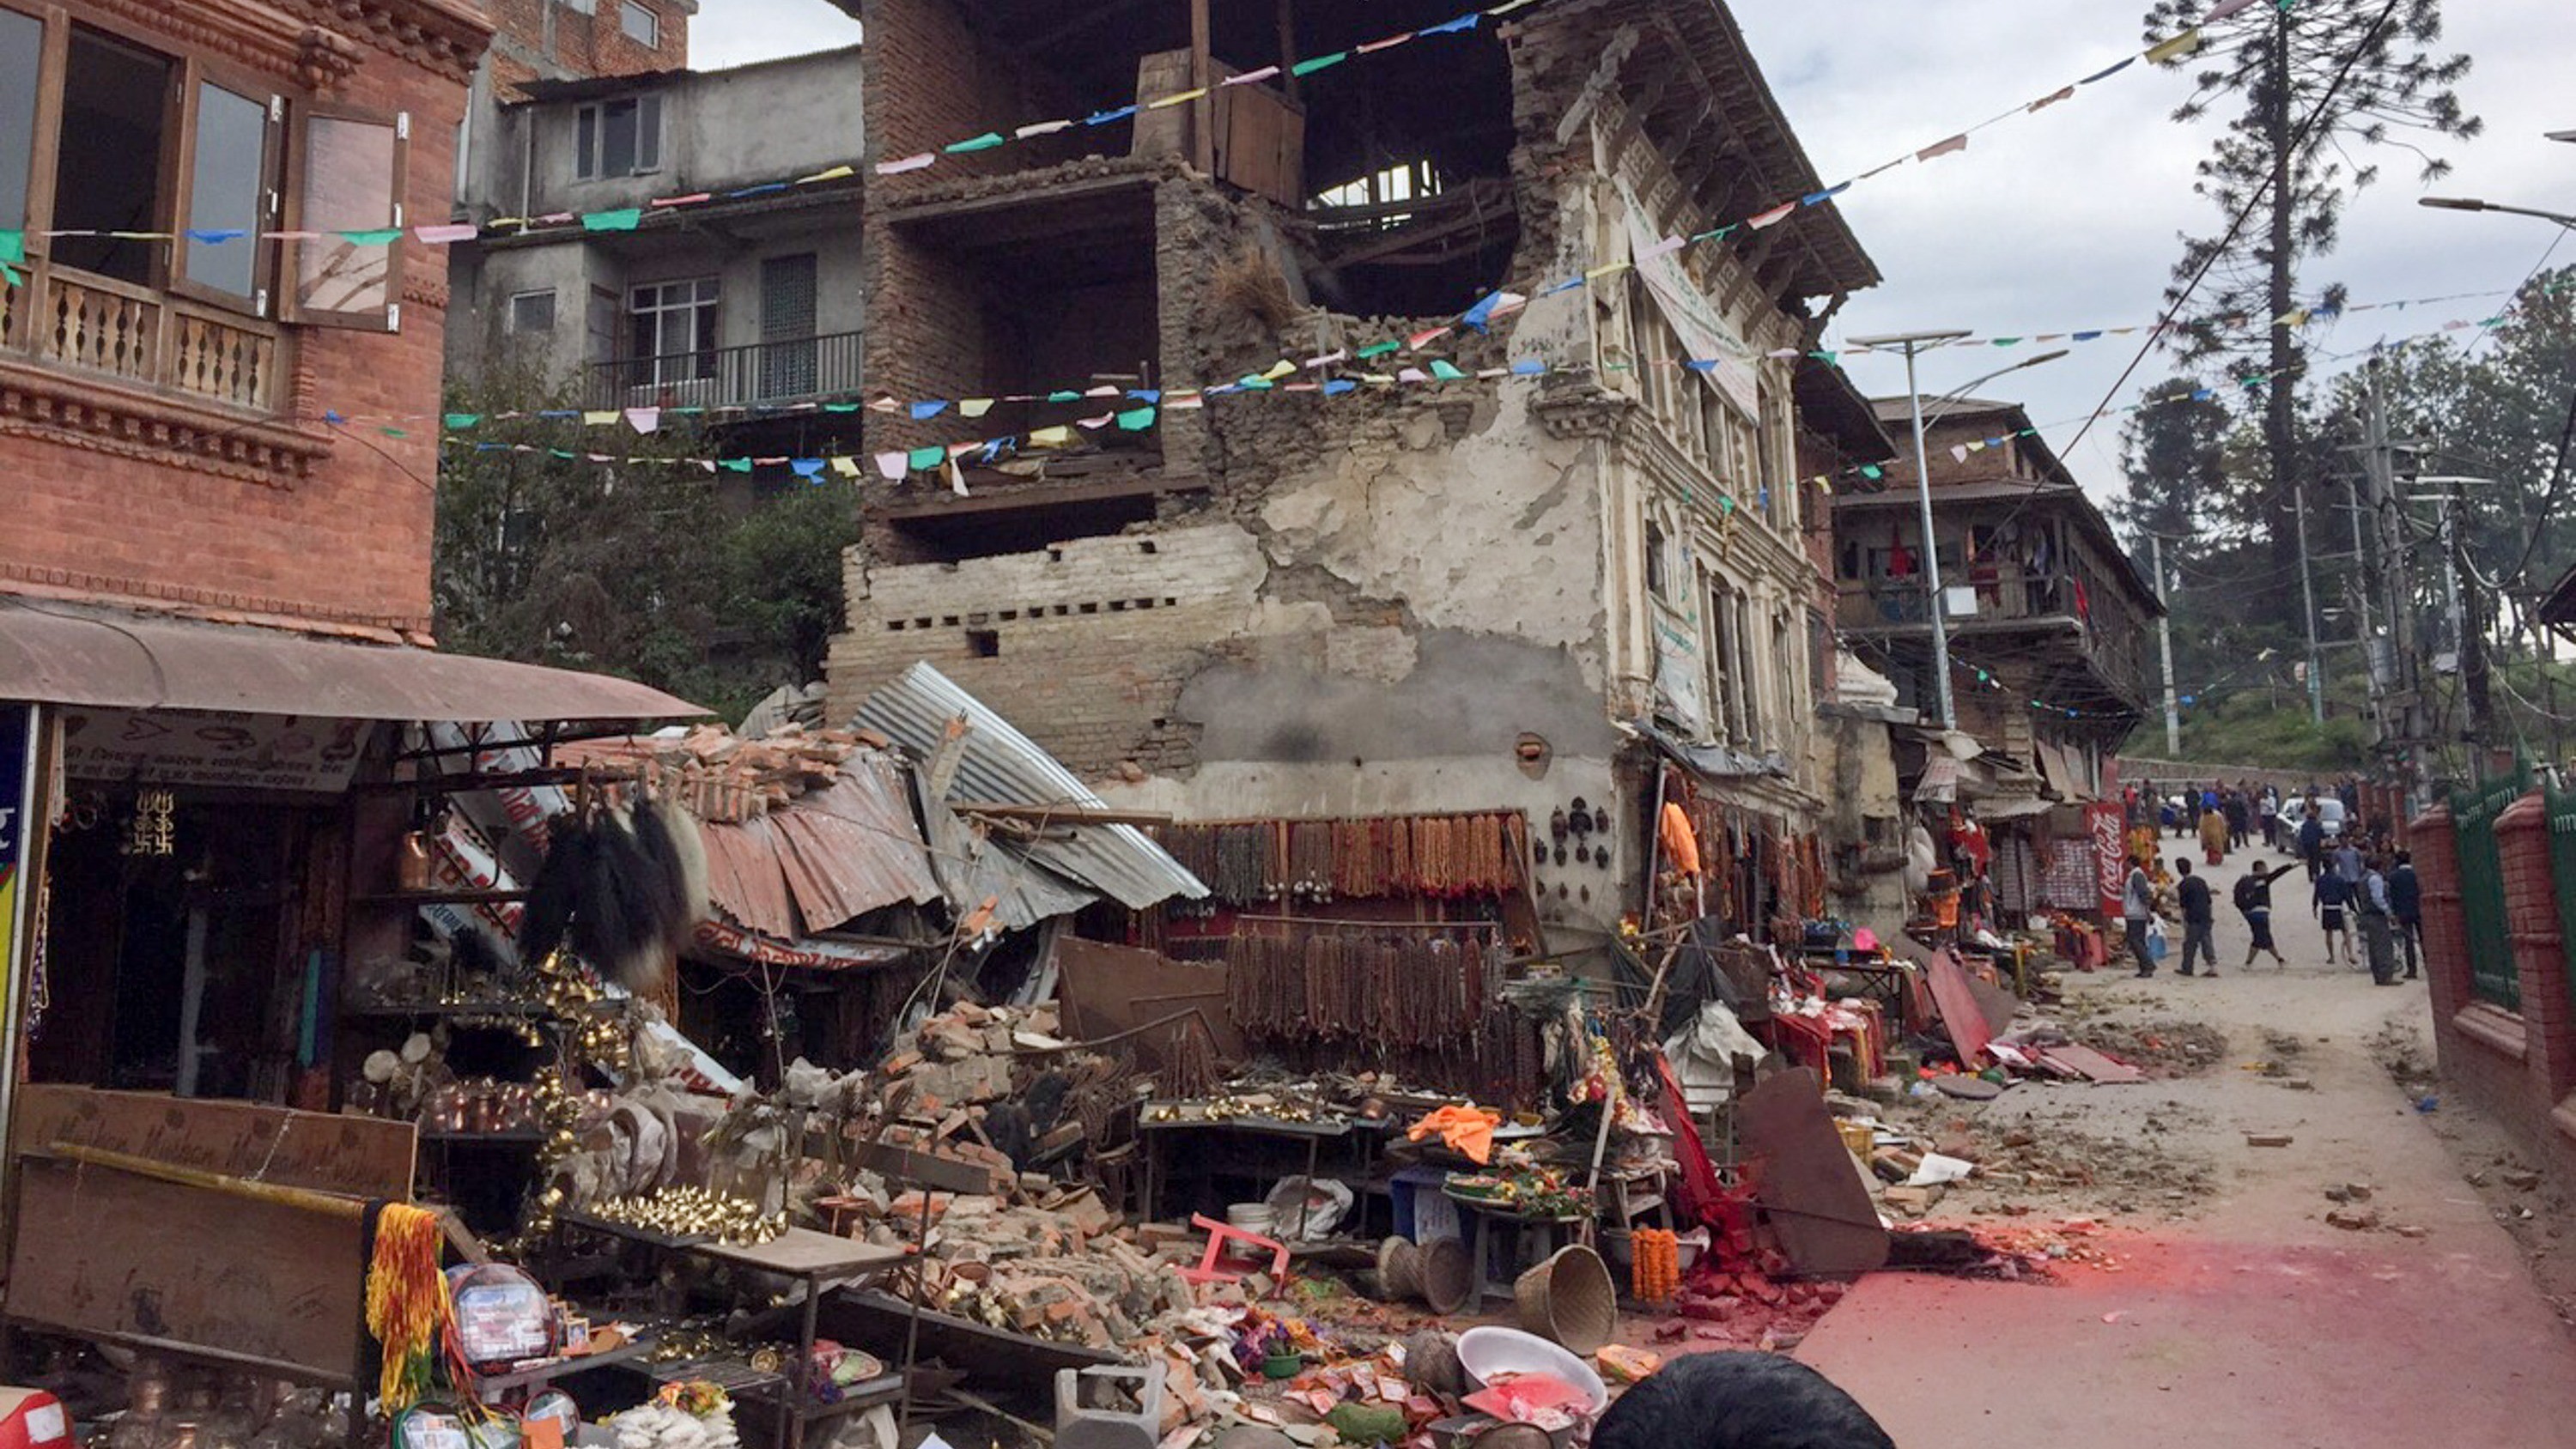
pixel 2308 613
pixel 1931 550
pixel 2164 641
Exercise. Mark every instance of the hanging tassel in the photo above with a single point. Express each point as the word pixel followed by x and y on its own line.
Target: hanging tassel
pixel 407 1305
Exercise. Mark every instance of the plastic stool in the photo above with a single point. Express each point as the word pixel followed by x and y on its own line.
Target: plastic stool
pixel 1219 1234
pixel 1080 1426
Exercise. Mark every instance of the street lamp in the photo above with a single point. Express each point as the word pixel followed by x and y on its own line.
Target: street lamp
pixel 2470 203
pixel 1913 342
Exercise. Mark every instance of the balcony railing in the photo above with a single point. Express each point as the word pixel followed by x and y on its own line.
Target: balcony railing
pixel 2001 595
pixel 763 374
pixel 135 334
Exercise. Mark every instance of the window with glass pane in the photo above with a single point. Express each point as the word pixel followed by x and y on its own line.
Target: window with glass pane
pixel 227 179
pixel 675 329
pixel 22 51
pixel 348 186
pixel 107 168
pixel 641 25
pixel 618 138
pixel 533 312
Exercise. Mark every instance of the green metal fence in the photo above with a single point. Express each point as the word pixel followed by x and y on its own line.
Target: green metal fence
pixel 2492 977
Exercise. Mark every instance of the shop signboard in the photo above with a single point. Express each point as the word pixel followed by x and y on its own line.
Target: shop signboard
pixel 213 749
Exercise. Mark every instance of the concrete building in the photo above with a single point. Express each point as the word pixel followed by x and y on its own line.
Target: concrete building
pixel 2043 601
pixel 740 304
pixel 1490 595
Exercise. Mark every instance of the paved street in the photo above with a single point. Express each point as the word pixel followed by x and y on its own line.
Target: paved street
pixel 2249 1319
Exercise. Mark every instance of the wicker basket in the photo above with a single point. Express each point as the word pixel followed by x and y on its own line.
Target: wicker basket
pixel 1569 1299
pixel 1448 1273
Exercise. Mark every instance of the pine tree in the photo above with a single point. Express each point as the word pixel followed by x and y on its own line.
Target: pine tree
pixel 2316 86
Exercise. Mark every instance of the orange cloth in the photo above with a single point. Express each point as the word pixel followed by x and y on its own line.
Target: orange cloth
pixel 1465 1130
pixel 1681 843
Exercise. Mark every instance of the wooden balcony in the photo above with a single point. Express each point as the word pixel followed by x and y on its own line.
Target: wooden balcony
pixel 91 324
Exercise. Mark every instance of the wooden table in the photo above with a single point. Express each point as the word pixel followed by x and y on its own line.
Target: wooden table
pixel 1484 1216
pixel 810 1257
pixel 1313 1134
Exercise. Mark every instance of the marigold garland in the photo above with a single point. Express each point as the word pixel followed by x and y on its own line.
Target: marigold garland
pixel 1655 1268
pixel 407 1304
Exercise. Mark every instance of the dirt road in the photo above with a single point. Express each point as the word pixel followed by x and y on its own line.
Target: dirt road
pixel 2237 1313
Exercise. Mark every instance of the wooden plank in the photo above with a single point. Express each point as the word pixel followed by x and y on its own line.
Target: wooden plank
pixel 1807 1178
pixel 805 1253
pixel 99 1251
pixel 359 1156
pixel 1960 1014
pixel 2091 1065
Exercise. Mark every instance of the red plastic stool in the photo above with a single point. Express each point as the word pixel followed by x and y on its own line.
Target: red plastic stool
pixel 1219 1234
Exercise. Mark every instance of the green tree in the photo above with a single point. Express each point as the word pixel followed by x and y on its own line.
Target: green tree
pixel 634 567
pixel 2310 90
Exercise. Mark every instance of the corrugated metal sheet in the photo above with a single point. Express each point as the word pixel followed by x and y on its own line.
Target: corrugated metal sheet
pixel 1002 765
pixel 853 847
pixel 974 870
pixel 127 659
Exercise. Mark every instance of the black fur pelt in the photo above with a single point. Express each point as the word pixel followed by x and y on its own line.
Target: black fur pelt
pixel 1738 1401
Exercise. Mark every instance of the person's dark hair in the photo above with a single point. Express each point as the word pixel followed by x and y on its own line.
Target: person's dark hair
pixel 2405 857
pixel 1738 1401
pixel 2182 866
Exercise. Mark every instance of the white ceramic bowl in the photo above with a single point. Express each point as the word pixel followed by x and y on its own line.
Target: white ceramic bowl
pixel 1487 1352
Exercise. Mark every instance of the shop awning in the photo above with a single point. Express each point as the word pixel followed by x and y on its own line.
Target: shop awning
pixel 125 659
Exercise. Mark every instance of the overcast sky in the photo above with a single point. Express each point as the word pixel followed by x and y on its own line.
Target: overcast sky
pixel 2067 219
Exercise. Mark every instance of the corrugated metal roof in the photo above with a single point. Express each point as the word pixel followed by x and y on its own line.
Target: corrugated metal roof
pixel 1001 765
pixel 974 870
pixel 129 659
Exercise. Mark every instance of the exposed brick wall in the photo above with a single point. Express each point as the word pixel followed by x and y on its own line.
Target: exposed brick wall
pixel 571 43
pixel 1093 638
pixel 347 545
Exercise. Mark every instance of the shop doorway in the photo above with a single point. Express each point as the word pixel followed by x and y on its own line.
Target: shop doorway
pixel 168 972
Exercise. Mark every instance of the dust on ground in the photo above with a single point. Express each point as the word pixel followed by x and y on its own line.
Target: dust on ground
pixel 2044 1160
pixel 2534 1209
pixel 2162 1047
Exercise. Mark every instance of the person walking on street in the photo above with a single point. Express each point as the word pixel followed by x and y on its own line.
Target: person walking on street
pixel 2406 909
pixel 2372 903
pixel 2253 899
pixel 2312 837
pixel 2329 897
pixel 2240 819
pixel 2197 917
pixel 2137 908
pixel 2213 834
pixel 2348 860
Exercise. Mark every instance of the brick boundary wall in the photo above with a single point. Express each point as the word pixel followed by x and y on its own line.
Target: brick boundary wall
pixel 2518 1067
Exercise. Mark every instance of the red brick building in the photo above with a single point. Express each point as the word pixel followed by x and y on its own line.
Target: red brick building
pixel 164 401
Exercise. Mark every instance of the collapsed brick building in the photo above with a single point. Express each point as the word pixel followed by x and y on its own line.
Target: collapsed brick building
pixel 1493 593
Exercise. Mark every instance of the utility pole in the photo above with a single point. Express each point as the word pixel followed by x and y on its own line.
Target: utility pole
pixel 2308 612
pixel 2406 733
pixel 2468 630
pixel 2164 641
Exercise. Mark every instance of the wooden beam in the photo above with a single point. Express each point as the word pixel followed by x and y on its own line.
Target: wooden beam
pixel 1060 814
pixel 1202 75
pixel 1040 498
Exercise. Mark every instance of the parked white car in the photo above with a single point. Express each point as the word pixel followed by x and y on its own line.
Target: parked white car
pixel 2294 813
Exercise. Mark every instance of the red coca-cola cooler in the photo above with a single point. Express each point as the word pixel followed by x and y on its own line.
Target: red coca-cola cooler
pixel 33 1419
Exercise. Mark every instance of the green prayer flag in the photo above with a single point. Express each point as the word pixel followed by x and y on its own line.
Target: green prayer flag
pixel 393 432
pixel 13 245
pixel 1136 420
pixel 1309 67
pixel 1872 471
pixel 463 420
pixel 1064 395
pixel 734 465
pixel 567 454
pixel 381 236
pixel 623 219
pixel 1255 382
pixel 985 142
pixel 840 407
pixel 1377 349
pixel 923 459
pixel 1445 370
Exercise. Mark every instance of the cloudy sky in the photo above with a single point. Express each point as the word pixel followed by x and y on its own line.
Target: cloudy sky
pixel 2068 219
